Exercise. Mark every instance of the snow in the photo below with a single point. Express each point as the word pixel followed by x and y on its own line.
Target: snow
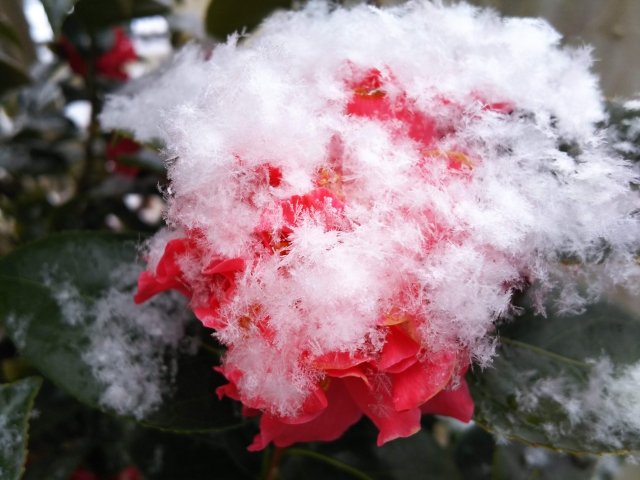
pixel 448 245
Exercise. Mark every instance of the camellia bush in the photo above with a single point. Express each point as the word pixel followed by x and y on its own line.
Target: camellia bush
pixel 397 242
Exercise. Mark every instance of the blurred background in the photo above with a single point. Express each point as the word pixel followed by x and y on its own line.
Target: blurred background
pixel 60 171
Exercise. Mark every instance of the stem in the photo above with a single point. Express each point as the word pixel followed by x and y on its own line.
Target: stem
pixel 93 130
pixel 546 353
pixel 272 472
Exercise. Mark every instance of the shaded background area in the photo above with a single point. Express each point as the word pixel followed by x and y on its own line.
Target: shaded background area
pixel 612 27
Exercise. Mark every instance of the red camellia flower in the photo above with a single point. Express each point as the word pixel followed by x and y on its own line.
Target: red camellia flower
pixel 392 385
pixel 110 64
pixel 121 148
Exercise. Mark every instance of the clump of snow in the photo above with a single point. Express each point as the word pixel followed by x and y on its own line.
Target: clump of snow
pixel 132 349
pixel 19 326
pixel 446 245
pixel 12 422
pixel 178 80
pixel 624 128
pixel 605 409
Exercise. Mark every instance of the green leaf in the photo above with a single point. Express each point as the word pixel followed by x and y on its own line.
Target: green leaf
pixel 169 456
pixel 517 461
pixel 60 308
pixel 8 33
pixel 16 47
pixel 144 160
pixel 57 11
pixel 561 349
pixel 227 16
pixel 96 14
pixel 16 402
pixel 53 467
pixel 474 454
pixel 12 72
pixel 355 455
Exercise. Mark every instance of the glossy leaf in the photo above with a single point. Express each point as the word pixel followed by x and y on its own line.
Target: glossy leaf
pixel 16 402
pixel 57 11
pixel 536 348
pixel 225 17
pixel 56 338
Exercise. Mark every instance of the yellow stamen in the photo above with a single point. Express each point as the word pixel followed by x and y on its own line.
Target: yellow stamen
pixel 369 92
pixel 449 154
pixel 324 383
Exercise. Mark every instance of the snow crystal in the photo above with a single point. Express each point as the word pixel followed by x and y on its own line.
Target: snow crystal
pixel 606 408
pixel 19 327
pixel 538 184
pixel 133 349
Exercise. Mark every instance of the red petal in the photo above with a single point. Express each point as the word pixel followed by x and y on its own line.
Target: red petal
pixel 340 360
pixel 312 407
pixel 228 268
pixel 168 274
pixel 209 317
pixel 341 413
pixel 378 406
pixel 250 412
pixel 149 286
pixel 402 365
pixel 421 381
pixel 398 347
pixel 456 403
pixel 230 389
pixel 82 474
pixel 129 473
pixel 349 372
pixel 316 199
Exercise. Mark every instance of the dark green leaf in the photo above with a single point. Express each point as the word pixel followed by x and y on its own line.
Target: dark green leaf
pixel 12 73
pixel 169 456
pixel 517 461
pixel 57 11
pixel 49 296
pixel 16 47
pixel 227 16
pixel 16 402
pixel 561 349
pixel 355 455
pixel 54 408
pixel 145 160
pixel 96 14
pixel 474 454
pixel 53 467
pixel 8 33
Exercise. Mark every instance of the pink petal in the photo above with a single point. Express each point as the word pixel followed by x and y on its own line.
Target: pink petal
pixel 421 381
pixel 341 413
pixel 378 406
pixel 456 403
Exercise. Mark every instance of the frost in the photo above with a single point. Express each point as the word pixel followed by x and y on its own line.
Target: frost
pixel 133 349
pixel 604 410
pixel 538 184
pixel 19 327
